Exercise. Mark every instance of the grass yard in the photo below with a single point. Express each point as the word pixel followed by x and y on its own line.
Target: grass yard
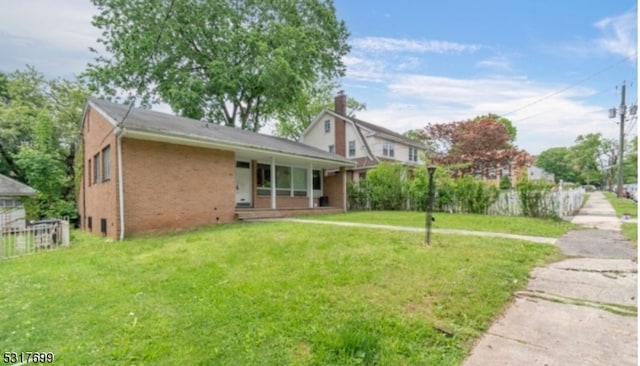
pixel 263 294
pixel 622 206
pixel 488 223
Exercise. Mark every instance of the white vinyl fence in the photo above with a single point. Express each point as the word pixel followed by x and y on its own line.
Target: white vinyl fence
pixel 562 202
pixel 18 242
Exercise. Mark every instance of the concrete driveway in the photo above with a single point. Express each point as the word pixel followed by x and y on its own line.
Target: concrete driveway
pixel 579 311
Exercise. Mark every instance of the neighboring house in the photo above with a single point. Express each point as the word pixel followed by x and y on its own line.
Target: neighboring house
pixel 12 215
pixel 364 143
pixel 535 173
pixel 514 168
pixel 155 171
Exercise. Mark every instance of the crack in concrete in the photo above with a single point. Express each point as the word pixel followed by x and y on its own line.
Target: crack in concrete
pixel 521 341
pixel 615 271
pixel 619 309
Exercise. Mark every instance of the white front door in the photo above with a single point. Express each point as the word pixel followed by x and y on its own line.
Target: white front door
pixel 243 184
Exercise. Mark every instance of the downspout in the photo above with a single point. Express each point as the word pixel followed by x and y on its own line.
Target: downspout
pixel 119 134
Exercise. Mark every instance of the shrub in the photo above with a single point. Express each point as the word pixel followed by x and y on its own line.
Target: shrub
pixel 358 195
pixel 387 186
pixel 505 182
pixel 533 199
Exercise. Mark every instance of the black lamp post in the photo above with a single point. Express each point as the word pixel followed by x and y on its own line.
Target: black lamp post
pixel 431 169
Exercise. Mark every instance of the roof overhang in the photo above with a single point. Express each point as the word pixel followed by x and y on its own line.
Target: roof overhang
pixel 242 152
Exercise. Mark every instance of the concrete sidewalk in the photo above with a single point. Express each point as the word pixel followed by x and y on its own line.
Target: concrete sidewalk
pixel 579 311
pixel 535 239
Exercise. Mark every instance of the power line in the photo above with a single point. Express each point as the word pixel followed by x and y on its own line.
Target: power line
pixel 572 85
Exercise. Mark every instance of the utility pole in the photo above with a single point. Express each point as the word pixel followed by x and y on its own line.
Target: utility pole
pixel 623 109
pixel 612 114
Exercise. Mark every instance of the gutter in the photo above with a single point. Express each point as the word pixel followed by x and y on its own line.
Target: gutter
pixel 119 133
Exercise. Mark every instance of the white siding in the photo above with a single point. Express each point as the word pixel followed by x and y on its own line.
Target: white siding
pixel 316 136
pixel 352 135
pixel 401 151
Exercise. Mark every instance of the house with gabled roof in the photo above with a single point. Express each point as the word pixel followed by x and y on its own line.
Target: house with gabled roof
pixel 12 213
pixel 364 143
pixel 146 171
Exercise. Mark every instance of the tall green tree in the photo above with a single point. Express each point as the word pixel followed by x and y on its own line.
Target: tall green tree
pixel 232 62
pixel 584 155
pixel 555 161
pixel 39 125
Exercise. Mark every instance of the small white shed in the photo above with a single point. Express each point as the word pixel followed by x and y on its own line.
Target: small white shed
pixel 12 213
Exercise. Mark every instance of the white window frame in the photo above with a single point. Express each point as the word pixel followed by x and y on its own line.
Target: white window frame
pixel 388 149
pixel 352 148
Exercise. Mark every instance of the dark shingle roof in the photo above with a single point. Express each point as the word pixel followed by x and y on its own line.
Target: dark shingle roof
pixel 157 122
pixel 12 188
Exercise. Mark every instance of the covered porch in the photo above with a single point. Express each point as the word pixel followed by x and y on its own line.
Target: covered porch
pixel 272 186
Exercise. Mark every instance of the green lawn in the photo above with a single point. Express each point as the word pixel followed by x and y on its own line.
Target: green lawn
pixel 262 294
pixel 500 224
pixel 622 205
pixel 625 206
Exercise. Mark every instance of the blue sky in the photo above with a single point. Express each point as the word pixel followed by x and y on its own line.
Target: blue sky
pixel 553 67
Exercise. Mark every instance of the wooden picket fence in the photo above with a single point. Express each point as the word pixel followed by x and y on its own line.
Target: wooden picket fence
pixel 16 242
pixel 561 202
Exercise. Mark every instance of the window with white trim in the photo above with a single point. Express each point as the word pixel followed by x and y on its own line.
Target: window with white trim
pixel 388 149
pixel 327 126
pixel 352 148
pixel 290 181
pixel 413 154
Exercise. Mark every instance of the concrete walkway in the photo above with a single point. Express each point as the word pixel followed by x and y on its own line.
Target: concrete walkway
pixel 535 239
pixel 579 311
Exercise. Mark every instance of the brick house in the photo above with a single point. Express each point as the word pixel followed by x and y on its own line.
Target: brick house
pixel 155 171
pixel 364 143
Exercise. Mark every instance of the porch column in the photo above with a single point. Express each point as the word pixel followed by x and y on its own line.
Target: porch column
pixel 273 183
pixel 310 184
pixel 343 171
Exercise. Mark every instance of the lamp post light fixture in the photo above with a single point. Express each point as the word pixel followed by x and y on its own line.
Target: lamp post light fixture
pixel 430 169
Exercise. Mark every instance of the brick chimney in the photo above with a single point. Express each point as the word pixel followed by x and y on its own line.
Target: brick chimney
pixel 340 133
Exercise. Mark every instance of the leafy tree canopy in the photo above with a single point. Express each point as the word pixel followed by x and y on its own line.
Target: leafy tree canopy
pixel 483 142
pixel 39 125
pixel 555 161
pixel 233 62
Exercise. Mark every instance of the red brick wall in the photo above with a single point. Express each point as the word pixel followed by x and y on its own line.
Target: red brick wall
pixel 98 201
pixel 340 130
pixel 334 188
pixel 170 186
pixel 283 202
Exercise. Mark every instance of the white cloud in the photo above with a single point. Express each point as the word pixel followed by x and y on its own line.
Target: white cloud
pixel 53 36
pixel 498 63
pixel 620 34
pixel 415 100
pixel 365 69
pixel 383 44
